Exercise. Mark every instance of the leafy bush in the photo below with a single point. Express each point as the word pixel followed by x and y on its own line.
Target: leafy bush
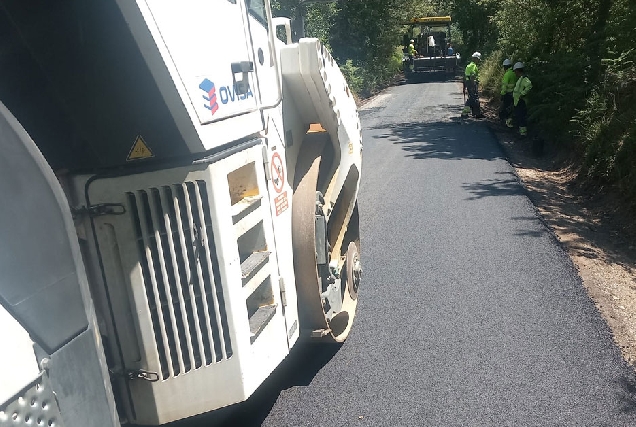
pixel 605 124
pixel 490 74
pixel 353 75
pixel 606 127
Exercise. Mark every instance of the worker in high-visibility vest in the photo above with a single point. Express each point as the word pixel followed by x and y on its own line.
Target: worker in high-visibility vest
pixel 471 85
pixel 519 94
pixel 508 82
pixel 412 51
pixel 411 54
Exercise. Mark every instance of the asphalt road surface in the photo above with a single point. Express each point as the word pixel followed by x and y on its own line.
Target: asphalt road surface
pixel 470 312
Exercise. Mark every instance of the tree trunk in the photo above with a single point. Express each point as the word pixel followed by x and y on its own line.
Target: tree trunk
pixel 596 44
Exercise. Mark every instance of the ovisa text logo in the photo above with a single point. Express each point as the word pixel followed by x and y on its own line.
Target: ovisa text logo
pixel 226 94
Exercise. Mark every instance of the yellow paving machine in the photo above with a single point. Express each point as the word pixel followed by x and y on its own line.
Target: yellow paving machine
pixel 434 52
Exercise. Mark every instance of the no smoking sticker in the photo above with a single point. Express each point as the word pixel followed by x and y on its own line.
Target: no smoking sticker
pixel 277 172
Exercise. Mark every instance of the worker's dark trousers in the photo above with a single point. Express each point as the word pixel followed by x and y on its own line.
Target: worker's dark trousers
pixel 521 114
pixel 473 97
pixel 506 106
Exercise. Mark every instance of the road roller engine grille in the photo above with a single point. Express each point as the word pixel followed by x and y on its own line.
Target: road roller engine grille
pixel 177 253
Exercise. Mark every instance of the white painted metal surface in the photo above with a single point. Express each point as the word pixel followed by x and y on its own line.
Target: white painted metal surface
pixel 203 39
pixel 18 366
pixel 190 47
pixel 265 71
pixel 316 92
pixel 179 250
pixel 35 405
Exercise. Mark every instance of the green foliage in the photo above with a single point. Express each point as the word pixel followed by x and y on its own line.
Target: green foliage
pixel 367 32
pixel 490 74
pixel 606 126
pixel 353 75
pixel 318 16
pixel 319 20
pixel 475 24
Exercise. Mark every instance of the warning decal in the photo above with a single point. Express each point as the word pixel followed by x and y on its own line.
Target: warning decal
pixel 281 203
pixel 278 172
pixel 139 150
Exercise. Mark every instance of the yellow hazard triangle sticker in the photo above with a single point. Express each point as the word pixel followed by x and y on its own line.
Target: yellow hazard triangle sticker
pixel 139 150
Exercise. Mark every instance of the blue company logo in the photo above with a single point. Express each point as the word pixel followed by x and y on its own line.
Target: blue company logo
pixel 225 94
pixel 208 87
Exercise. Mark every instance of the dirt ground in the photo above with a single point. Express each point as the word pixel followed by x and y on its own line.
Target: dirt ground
pixel 598 232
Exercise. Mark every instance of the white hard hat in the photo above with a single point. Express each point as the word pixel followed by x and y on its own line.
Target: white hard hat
pixel 518 65
pixel 412 41
pixel 477 55
pixel 507 62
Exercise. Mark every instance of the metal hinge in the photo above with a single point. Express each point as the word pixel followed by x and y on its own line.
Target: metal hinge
pixel 283 293
pixel 136 374
pixel 140 374
pixel 268 175
pixel 99 210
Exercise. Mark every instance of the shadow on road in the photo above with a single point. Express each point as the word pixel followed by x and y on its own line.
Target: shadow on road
pixel 298 369
pixel 448 140
pixel 494 187
pixel 628 395
pixel 461 140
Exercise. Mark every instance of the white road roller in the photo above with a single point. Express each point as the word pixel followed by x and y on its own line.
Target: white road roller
pixel 179 206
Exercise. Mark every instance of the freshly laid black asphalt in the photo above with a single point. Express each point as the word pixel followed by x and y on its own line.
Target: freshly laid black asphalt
pixel 470 313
